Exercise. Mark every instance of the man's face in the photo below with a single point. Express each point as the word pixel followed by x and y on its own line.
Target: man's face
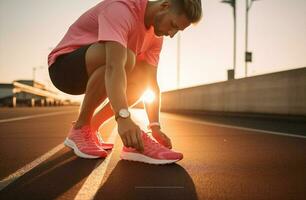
pixel 167 23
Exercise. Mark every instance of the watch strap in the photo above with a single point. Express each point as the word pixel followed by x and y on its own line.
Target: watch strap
pixel 153 124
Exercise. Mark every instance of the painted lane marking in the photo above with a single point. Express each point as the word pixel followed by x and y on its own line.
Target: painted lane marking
pixel 36 116
pixel 11 178
pixel 93 181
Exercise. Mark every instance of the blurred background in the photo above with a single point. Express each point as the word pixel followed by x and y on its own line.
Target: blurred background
pixel 202 54
pixel 233 101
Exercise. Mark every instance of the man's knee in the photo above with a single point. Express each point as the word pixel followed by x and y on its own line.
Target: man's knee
pixel 96 57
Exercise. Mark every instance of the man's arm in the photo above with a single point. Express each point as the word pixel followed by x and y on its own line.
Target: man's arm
pixel 153 109
pixel 116 84
pixel 115 76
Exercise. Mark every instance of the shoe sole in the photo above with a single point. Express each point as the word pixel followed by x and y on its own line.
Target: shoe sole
pixel 106 147
pixel 69 143
pixel 145 159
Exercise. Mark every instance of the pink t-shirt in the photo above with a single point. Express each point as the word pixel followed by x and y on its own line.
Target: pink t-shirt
pixel 113 20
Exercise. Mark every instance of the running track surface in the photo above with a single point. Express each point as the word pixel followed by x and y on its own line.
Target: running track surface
pixel 221 159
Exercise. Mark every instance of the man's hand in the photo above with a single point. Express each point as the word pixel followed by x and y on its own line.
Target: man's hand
pixel 130 134
pixel 161 138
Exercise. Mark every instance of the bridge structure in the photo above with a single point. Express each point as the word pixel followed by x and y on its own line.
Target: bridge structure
pixel 29 93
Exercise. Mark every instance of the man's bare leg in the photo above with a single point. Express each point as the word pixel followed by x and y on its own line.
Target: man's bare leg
pixel 101 116
pixel 94 96
pixel 136 85
pixel 105 113
pixel 95 91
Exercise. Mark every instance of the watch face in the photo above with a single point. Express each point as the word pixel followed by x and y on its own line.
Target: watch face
pixel 124 113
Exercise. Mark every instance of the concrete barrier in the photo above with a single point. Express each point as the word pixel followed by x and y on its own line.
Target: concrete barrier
pixel 281 93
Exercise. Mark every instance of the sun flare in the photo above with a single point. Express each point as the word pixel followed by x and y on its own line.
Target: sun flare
pixel 148 96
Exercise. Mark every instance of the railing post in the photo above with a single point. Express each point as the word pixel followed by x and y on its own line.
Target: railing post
pixel 32 102
pixel 14 101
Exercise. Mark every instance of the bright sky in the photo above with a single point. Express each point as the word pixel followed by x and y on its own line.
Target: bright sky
pixel 277 38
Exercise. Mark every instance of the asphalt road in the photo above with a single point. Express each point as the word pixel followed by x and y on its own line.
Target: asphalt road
pixel 221 160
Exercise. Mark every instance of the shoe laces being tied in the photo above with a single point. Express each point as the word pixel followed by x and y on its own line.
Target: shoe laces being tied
pixel 86 131
pixel 151 141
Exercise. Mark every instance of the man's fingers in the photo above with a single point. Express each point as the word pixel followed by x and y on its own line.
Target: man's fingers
pixel 124 141
pixel 135 140
pixel 139 139
pixel 168 141
pixel 128 139
pixel 170 144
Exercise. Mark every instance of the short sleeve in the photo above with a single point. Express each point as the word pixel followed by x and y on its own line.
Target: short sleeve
pixel 115 23
pixel 153 52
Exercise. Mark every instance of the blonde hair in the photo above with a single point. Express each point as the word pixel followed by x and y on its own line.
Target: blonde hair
pixel 191 8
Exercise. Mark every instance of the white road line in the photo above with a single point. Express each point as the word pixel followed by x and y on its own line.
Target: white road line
pixel 236 127
pixel 159 187
pixel 36 116
pixel 11 178
pixel 92 183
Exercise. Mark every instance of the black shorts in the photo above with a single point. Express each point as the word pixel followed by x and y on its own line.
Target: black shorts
pixel 68 73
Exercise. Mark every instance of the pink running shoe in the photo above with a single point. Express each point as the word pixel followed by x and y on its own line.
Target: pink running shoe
pixel 83 144
pixel 105 145
pixel 154 153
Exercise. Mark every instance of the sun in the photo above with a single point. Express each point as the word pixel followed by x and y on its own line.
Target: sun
pixel 148 96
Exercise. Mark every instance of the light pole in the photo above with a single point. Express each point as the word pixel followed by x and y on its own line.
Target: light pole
pixel 248 55
pixel 233 4
pixel 34 71
pixel 178 61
